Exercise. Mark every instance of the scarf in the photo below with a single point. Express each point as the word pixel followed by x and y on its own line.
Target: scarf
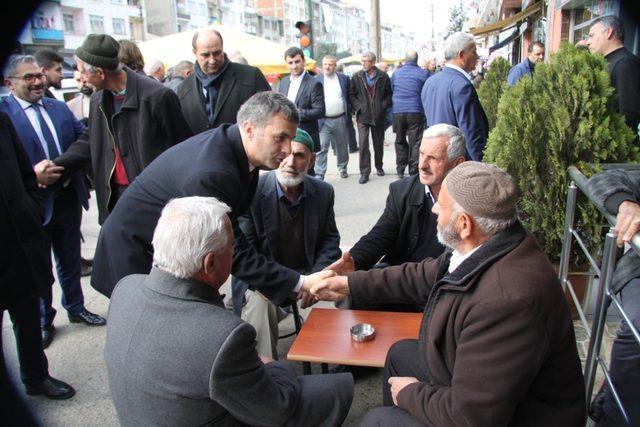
pixel 208 82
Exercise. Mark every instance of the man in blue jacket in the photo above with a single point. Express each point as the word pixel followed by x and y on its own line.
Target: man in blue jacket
pixel 408 114
pixel 48 128
pixel 525 68
pixel 449 96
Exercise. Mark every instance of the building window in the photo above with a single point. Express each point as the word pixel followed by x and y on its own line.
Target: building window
pixel 191 7
pixel 118 26
pixel 96 23
pixel 69 26
pixel 202 9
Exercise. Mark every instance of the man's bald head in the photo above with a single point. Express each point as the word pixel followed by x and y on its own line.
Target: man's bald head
pixel 207 47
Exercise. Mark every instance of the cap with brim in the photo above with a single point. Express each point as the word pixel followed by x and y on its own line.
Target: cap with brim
pixel 99 50
pixel 304 138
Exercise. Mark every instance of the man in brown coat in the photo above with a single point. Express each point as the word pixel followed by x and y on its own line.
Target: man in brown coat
pixel 496 344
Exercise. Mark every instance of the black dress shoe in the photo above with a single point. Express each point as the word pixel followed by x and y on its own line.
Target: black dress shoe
pixel 344 174
pixel 363 179
pixel 87 317
pixel 50 388
pixel 380 172
pixel 48 332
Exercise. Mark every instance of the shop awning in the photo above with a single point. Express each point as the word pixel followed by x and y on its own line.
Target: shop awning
pixel 508 22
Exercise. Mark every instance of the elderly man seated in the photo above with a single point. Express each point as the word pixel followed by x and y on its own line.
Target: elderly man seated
pixel 496 345
pixel 175 356
pixel 291 221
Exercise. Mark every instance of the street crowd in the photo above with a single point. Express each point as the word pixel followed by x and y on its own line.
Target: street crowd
pixel 212 173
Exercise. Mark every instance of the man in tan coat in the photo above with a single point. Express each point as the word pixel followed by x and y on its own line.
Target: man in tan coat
pixel 496 344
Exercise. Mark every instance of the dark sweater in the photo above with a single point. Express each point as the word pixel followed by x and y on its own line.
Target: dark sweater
pixel 624 68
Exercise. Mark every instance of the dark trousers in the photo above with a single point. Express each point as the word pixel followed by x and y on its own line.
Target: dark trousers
pixel 63 236
pixel 377 135
pixel 353 143
pixel 625 362
pixel 25 316
pixel 403 360
pixel 408 128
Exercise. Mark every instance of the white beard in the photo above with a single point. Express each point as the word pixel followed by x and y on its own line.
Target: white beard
pixel 447 235
pixel 290 181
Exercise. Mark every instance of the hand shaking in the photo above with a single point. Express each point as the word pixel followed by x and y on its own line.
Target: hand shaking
pixel 47 173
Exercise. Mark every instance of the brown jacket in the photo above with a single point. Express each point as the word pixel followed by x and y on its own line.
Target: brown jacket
pixel 496 338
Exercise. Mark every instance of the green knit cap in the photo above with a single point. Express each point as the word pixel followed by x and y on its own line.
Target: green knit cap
pixel 304 138
pixel 99 50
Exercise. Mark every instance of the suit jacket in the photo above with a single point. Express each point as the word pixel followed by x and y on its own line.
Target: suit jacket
pixel 79 106
pixel 25 260
pixel 210 164
pixel 397 232
pixel 345 85
pixel 67 128
pixel 239 83
pixel 261 228
pixel 176 357
pixel 449 97
pixel 370 111
pixel 310 102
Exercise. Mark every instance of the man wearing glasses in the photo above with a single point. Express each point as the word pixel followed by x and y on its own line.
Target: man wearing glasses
pixel 47 128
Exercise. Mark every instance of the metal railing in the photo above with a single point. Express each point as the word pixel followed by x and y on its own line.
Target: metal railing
pixel 604 296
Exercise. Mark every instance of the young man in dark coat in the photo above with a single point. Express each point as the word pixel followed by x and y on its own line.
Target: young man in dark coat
pixel 370 96
pixel 132 120
pixel 496 344
pixel 221 163
pixel 217 88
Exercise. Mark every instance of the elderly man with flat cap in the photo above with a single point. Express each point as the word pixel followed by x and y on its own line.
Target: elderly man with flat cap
pixel 496 344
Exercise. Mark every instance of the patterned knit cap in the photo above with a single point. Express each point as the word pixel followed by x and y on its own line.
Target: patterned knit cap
pixel 483 190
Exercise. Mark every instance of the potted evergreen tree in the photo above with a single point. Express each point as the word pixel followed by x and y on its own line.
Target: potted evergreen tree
pixel 564 115
pixel 492 88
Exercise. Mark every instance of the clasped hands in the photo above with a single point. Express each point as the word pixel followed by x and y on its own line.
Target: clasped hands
pixel 47 172
pixel 329 284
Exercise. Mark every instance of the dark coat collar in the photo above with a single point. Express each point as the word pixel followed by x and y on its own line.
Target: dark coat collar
pixel 131 99
pixel 492 250
pixel 164 283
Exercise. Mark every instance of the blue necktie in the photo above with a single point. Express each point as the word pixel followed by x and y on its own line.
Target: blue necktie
pixel 46 132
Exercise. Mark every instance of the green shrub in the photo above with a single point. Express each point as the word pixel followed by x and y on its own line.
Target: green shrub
pixel 492 87
pixel 565 115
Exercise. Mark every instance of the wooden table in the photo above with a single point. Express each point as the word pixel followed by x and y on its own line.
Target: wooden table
pixel 326 338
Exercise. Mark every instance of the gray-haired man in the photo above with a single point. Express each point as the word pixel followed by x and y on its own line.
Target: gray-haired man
pixel 184 359
pixel 496 343
pixel 222 163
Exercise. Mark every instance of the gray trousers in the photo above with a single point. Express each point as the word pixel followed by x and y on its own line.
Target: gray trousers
pixel 333 130
pixel 264 316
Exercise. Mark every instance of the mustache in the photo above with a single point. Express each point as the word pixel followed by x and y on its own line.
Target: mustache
pixel 290 170
pixel 36 86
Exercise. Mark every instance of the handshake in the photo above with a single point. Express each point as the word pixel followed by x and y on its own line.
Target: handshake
pixel 330 284
pixel 47 173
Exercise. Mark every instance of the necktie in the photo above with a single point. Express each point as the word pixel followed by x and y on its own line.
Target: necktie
pixel 46 133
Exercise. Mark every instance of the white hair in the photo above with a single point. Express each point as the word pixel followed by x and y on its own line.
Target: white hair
pixel 488 226
pixel 457 42
pixel 188 229
pixel 153 66
pixel 457 147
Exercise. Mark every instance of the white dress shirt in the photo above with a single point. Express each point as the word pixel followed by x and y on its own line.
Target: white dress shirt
pixel 458 258
pixel 455 67
pixel 35 123
pixel 294 86
pixel 333 102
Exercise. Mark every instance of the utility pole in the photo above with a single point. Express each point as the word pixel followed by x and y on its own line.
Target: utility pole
pixel 375 38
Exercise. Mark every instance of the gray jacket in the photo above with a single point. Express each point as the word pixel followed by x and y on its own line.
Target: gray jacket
pixel 176 357
pixel 610 189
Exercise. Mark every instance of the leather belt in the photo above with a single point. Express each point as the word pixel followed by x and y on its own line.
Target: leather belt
pixel 334 117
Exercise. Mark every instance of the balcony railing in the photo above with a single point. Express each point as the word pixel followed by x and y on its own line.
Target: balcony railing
pixel 47 35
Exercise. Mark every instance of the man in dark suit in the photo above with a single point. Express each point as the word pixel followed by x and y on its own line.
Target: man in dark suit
pixel 406 231
pixel 291 221
pixel 217 88
pixel 370 97
pixel 334 128
pixel 221 162
pixel 25 271
pixel 449 96
pixel 304 91
pixel 49 128
pixel 184 359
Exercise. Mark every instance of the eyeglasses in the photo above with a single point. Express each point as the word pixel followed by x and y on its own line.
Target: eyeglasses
pixel 29 77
